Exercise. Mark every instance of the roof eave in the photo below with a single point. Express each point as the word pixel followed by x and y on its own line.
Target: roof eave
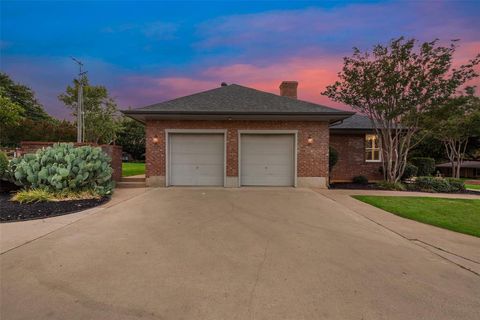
pixel 143 116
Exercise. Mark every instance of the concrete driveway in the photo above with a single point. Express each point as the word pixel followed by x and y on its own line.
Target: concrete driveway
pixel 231 254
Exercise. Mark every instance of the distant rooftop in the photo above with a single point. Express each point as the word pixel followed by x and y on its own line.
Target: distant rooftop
pixel 355 122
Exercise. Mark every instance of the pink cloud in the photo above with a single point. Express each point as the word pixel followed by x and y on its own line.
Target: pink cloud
pixel 313 75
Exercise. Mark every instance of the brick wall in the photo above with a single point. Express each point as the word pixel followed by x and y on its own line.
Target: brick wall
pixel 113 151
pixel 312 160
pixel 351 158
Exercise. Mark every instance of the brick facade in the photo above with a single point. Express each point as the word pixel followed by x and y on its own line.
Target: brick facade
pixel 113 151
pixel 351 158
pixel 312 159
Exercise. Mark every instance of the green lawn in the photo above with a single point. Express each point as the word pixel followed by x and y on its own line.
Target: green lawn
pixel 461 215
pixel 132 168
pixel 472 186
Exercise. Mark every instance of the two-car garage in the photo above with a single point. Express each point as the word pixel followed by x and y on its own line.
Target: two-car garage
pixel 199 158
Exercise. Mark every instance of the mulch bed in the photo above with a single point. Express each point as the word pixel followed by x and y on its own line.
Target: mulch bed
pixel 355 186
pixel 14 211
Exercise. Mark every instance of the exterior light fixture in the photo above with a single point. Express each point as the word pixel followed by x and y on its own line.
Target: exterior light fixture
pixel 155 139
pixel 309 140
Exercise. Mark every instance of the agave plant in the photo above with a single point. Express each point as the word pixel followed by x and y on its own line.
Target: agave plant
pixel 64 167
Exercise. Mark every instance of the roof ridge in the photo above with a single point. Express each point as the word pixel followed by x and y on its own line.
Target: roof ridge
pixel 279 96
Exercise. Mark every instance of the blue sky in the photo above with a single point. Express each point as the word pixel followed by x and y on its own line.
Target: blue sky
pixel 146 52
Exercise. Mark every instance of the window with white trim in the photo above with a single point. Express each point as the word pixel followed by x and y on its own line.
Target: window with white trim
pixel 372 148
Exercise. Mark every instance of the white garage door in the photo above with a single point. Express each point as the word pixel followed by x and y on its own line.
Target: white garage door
pixel 196 159
pixel 267 159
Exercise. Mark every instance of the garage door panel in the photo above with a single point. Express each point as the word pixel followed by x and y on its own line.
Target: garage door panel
pixel 196 159
pixel 267 160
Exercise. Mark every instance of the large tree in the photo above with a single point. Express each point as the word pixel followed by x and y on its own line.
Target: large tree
pixel 24 97
pixel 455 123
pixel 22 117
pixel 396 85
pixel 102 121
pixel 11 114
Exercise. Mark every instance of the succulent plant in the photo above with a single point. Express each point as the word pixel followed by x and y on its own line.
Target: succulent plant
pixel 64 167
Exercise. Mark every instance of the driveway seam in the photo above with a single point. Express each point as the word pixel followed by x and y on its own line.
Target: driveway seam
pixel 94 211
pixel 257 278
pixel 412 240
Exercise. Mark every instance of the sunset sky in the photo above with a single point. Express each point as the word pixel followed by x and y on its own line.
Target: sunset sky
pixel 148 52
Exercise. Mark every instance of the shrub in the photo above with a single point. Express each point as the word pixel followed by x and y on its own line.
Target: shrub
pixel 456 184
pixel 64 168
pixel 426 166
pixel 360 179
pixel 3 164
pixel 332 158
pixel 395 186
pixel 439 184
pixel 33 195
pixel 410 171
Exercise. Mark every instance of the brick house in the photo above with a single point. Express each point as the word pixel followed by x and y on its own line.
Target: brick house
pixel 236 136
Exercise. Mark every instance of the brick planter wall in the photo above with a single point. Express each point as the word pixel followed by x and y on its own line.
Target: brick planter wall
pixel 312 160
pixel 351 159
pixel 113 151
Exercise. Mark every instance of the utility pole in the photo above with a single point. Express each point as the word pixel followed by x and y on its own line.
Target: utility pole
pixel 80 110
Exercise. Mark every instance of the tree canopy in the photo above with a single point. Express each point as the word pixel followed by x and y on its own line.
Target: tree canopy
pixel 22 117
pixel 455 123
pixel 102 121
pixel 24 97
pixel 396 85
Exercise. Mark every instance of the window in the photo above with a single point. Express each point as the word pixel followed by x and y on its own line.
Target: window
pixel 372 148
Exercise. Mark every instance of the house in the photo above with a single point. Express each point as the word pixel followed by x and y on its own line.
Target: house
pixel 236 136
pixel 468 169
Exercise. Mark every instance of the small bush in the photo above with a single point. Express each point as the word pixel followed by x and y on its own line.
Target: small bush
pixel 394 186
pixel 456 184
pixel 3 164
pixel 360 180
pixel 410 171
pixel 33 195
pixel 332 157
pixel 64 168
pixel 426 166
pixel 439 184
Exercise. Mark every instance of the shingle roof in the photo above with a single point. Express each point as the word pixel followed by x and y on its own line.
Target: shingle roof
pixel 356 121
pixel 233 99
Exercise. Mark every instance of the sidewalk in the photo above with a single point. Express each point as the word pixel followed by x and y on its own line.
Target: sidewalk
pixel 15 234
pixel 458 248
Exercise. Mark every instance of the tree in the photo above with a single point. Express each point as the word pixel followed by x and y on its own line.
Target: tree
pixel 23 118
pixel 132 138
pixel 10 115
pixel 24 97
pixel 455 123
pixel 101 115
pixel 396 85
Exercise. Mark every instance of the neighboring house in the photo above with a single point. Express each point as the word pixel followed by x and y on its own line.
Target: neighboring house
pixel 468 169
pixel 236 136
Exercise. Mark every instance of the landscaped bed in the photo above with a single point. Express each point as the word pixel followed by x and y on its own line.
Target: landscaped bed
pixel 460 215
pixel 16 211
pixel 374 186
